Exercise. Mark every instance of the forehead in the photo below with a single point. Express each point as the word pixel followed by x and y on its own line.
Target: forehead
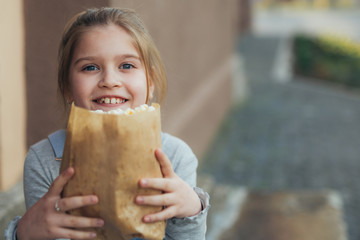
pixel 111 38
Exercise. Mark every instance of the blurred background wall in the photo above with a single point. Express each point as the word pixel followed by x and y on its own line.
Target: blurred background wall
pixel 195 39
pixel 12 93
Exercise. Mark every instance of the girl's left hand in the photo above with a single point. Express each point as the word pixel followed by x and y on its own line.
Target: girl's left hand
pixel 179 199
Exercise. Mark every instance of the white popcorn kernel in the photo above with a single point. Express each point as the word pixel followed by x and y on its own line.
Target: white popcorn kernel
pixel 119 111
pixel 99 111
pixel 129 111
pixel 144 107
pixel 151 108
pixel 111 112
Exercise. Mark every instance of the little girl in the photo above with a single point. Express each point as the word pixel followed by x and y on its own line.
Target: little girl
pixel 107 60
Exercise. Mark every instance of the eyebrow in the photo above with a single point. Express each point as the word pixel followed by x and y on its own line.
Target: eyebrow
pixel 125 56
pixel 82 59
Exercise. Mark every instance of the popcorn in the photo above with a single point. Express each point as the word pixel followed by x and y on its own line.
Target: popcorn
pixel 129 111
pixel 98 111
pixel 142 108
pixel 116 111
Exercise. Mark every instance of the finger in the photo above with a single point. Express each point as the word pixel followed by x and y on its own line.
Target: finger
pixel 80 222
pixel 162 184
pixel 73 234
pixel 156 200
pixel 58 185
pixel 66 204
pixel 165 164
pixel 165 214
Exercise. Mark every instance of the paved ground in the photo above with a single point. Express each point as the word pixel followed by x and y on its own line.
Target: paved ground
pixel 297 135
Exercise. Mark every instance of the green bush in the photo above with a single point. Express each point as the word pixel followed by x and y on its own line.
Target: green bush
pixel 328 58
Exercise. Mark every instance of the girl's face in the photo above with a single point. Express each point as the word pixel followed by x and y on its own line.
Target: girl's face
pixel 106 71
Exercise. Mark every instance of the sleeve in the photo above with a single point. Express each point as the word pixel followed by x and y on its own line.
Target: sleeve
pixel 185 164
pixel 10 232
pixel 37 179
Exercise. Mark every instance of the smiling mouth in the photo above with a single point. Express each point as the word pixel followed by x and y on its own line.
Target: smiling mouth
pixel 110 100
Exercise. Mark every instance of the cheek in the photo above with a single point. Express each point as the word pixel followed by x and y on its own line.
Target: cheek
pixel 79 90
pixel 139 91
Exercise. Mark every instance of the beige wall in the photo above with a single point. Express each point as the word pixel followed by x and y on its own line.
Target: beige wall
pixel 195 39
pixel 12 93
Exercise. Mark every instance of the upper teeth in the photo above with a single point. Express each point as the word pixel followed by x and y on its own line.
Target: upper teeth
pixel 111 100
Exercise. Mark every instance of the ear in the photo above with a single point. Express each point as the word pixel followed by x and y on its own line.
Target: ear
pixel 151 89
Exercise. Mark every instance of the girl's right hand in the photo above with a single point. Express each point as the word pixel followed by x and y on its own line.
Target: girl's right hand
pixel 42 221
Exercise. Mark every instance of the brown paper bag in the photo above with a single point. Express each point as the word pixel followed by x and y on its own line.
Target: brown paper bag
pixel 110 153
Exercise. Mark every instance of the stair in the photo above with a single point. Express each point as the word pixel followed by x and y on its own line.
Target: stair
pixel 239 213
pixel 226 202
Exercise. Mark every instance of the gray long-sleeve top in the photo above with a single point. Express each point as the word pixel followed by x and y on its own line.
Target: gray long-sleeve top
pixel 41 169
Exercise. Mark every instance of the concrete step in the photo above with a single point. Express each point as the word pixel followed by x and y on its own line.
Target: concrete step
pixel 225 201
pixel 238 213
pixel 290 215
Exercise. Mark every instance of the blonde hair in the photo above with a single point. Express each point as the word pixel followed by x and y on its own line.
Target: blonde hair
pixel 128 20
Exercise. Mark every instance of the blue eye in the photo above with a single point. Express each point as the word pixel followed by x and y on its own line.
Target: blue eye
pixel 126 66
pixel 90 68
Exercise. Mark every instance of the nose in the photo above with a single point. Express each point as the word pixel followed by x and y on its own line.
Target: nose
pixel 110 79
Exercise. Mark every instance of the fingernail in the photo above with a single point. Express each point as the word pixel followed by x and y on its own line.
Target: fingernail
pixel 93 199
pixel 99 222
pixel 147 219
pixel 92 235
pixel 140 199
pixel 144 182
pixel 69 170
